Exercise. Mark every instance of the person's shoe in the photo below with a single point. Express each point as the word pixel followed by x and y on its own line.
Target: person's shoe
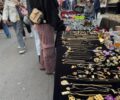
pixel 22 50
pixel 50 73
pixel 31 35
pixel 42 69
pixel 39 58
pixel 18 47
pixel 8 36
pixel 24 38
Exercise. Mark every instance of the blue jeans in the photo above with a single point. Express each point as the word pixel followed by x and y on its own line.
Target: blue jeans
pixel 6 30
pixel 18 26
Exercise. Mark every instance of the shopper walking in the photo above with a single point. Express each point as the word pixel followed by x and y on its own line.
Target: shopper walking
pixel 46 29
pixel 96 7
pixel 10 12
pixel 3 25
pixel 34 31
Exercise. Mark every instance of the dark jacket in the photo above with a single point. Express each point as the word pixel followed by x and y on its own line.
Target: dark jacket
pixel 50 11
pixel 96 4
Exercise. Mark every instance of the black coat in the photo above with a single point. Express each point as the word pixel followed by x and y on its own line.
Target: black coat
pixel 50 11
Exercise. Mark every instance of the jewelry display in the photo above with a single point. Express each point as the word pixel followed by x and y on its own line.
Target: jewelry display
pixel 94 63
pixel 80 25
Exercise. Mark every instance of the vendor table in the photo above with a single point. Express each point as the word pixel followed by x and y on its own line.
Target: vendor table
pixel 65 69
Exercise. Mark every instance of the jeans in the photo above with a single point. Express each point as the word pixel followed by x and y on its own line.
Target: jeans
pixel 6 30
pixel 37 40
pixel 96 13
pixel 18 26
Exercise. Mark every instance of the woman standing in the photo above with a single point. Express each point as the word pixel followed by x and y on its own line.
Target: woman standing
pixel 89 9
pixel 96 7
pixel 46 29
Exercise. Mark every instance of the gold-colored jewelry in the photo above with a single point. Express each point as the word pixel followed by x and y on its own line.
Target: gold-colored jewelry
pixel 66 93
pixel 97 54
pixel 70 97
pixel 64 82
pixel 119 57
pixel 90 98
pixel 68 88
pixel 97 60
pixel 98 97
pixel 74 73
pixel 73 66
pixel 118 97
pixel 116 77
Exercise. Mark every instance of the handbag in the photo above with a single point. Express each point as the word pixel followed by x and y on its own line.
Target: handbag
pixel 22 11
pixel 36 16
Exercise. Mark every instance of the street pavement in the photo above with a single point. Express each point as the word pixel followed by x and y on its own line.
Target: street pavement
pixel 20 77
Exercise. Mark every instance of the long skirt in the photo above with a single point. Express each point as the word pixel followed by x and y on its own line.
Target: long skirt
pixel 48 55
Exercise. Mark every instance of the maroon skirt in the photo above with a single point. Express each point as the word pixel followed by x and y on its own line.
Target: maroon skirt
pixel 48 55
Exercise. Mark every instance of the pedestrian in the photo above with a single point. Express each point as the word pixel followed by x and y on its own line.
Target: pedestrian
pixel 34 31
pixel 96 7
pixel 3 25
pixel 11 12
pixel 89 9
pixel 46 29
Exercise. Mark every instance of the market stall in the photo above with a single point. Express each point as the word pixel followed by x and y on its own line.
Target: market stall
pixel 88 62
pixel 87 67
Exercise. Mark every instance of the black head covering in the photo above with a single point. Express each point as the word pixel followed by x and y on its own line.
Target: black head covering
pixel 50 11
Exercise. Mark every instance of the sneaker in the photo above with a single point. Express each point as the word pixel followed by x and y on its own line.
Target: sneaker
pixel 22 51
pixel 24 38
pixel 8 36
pixel 31 35
pixel 19 47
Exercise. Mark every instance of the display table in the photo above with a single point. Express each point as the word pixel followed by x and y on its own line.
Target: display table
pixel 67 69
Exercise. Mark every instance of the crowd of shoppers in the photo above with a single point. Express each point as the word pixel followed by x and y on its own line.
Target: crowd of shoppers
pixel 45 31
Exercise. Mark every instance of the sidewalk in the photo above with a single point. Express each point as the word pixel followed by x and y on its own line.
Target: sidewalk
pixel 20 77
